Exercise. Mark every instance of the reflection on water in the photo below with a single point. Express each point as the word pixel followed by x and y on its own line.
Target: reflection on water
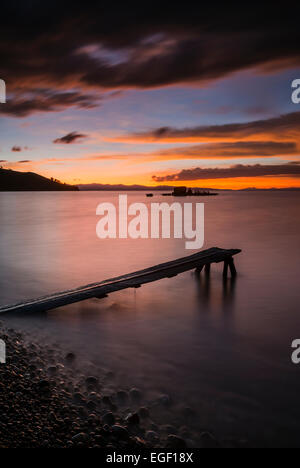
pixel 207 296
pixel 220 346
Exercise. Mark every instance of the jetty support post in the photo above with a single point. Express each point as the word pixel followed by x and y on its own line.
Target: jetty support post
pixel 229 264
pixel 207 269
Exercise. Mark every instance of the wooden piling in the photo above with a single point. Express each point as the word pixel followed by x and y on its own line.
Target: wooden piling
pixel 225 269
pixel 232 268
pixel 229 263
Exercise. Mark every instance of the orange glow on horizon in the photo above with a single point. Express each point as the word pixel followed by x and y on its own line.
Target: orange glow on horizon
pixel 243 182
pixel 196 139
pixel 74 177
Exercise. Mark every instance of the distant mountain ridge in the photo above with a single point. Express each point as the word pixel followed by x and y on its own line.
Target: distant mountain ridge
pixel 166 188
pixel 14 181
pixel 128 188
pixel 121 187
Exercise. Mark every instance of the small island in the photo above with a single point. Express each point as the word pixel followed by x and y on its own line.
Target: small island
pixel 184 192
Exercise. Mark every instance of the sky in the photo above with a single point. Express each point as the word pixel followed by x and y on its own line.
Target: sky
pixel 197 96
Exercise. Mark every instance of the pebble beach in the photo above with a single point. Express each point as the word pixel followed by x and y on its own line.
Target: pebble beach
pixel 46 402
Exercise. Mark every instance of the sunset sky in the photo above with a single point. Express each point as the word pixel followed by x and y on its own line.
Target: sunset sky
pixel 118 96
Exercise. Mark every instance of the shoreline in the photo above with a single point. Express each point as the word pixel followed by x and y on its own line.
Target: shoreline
pixel 41 408
pixel 46 403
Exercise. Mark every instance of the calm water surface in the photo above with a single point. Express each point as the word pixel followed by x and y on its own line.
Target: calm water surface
pixel 224 349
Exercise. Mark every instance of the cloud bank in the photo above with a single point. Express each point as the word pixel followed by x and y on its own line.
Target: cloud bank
pixel 94 48
pixel 239 170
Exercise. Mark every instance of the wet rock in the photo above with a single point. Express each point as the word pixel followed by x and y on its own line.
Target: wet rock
pixel 190 443
pixel 43 386
pixel 168 429
pixel 184 431
pixel 94 396
pixel 122 397
pixel 175 442
pixel 109 418
pixel 106 428
pixel 165 400
pixel 120 432
pixel 93 381
pixel 106 401
pixel 90 388
pixel 207 440
pixel 99 439
pixel 70 357
pixel 144 412
pixel 135 394
pixel 92 419
pixel 113 407
pixel 154 427
pixel 52 370
pixel 188 412
pixel 91 405
pixel 152 436
pixel 81 437
pixel 133 419
pixel 78 397
pixel 141 443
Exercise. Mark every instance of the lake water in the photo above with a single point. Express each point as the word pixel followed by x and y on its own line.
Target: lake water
pixel 223 349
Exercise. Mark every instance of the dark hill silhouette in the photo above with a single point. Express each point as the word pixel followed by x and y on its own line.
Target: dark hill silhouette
pixel 13 181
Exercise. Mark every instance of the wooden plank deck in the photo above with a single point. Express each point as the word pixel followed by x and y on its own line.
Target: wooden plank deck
pixel 133 280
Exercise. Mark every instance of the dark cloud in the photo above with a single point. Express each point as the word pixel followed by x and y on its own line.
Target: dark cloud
pixel 18 149
pixel 3 160
pixel 238 149
pixel 286 126
pixel 24 161
pixel 70 138
pixel 239 170
pixel 43 100
pixel 80 46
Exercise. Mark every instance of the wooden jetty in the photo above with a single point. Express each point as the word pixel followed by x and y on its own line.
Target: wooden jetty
pixel 198 261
